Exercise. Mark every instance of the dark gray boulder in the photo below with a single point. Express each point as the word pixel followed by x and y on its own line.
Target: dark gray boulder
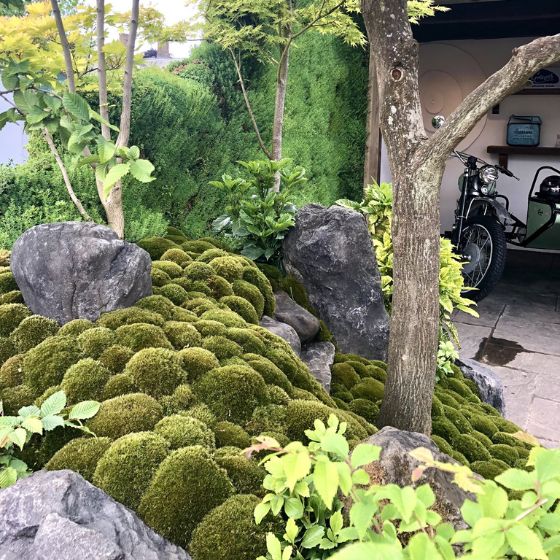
pixel 282 330
pixel 78 270
pixel 319 357
pixel 396 466
pixel 489 385
pixel 330 252
pixel 60 516
pixel 288 311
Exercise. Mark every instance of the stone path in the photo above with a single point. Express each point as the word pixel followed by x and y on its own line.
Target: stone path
pixel 518 335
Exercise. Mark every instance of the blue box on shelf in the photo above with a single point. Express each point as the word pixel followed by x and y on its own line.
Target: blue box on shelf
pixel 524 130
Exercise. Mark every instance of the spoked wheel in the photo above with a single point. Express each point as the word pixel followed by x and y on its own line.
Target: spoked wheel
pixel 484 246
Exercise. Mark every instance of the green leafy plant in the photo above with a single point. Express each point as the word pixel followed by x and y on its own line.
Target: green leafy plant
pixel 378 207
pixel 256 215
pixel 331 509
pixel 16 431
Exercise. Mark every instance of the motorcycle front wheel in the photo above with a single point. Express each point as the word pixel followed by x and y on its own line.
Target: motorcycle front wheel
pixel 484 246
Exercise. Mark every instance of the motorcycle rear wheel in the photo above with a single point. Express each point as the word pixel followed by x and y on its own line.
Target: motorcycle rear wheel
pixel 484 241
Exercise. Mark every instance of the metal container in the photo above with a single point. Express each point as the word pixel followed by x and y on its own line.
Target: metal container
pixel 524 130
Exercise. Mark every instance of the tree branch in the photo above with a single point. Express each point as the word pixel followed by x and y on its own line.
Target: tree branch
pixel 102 70
pixel 524 63
pixel 248 105
pixel 65 176
pixel 65 46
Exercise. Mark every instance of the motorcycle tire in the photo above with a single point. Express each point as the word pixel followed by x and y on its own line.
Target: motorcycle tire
pixel 489 228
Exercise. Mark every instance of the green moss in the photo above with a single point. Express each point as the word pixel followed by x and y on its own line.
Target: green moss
pixel 376 372
pixel 222 347
pixel 197 246
pixel 174 293
pixel 242 307
pixel 484 439
pixel 182 335
pixel 85 381
pixel 344 395
pixel 277 395
pixel 173 270
pixel 184 315
pixel 116 357
pixel 505 438
pixel 459 457
pixel 197 361
pixel 201 412
pixel 126 414
pixel 94 342
pixel 250 293
pixel 505 425
pixel 13 398
pixel 471 448
pixel 443 428
pixel 7 282
pixel 181 399
pixel 345 375
pixel 268 418
pixel 210 254
pixel 11 372
pixel 443 445
pixel 156 371
pixel 486 469
pixel 220 286
pixel 230 434
pixel 160 278
pixel 81 455
pixel 245 474
pixel 366 409
pixel 369 388
pixel 15 296
pixel 505 453
pixel 187 486
pixel 32 331
pixel 446 399
pixel 211 328
pixel 46 364
pixel 456 418
pixel 340 403
pixel 226 317
pixel 229 267
pixel 199 305
pixel 271 373
pixel 185 431
pixel 129 316
pixel 483 424
pixel 157 246
pixel 437 407
pixel 257 278
pixel 127 467
pixel 177 256
pixel 120 384
pixel 158 304
pixel 248 340
pixel 142 335
pixel 199 271
pixel 11 315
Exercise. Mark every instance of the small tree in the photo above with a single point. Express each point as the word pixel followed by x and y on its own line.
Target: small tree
pixel 417 165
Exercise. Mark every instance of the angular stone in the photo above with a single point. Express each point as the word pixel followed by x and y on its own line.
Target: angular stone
pixel 78 270
pixel 330 252
pixel 319 357
pixel 288 311
pixel 488 382
pixel 283 331
pixel 59 516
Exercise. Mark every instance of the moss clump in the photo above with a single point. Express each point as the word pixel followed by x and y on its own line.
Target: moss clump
pixel 483 424
pixel 345 375
pixel 7 349
pixel 446 398
pixel 11 315
pixel 277 395
pixel 7 282
pixel 116 357
pixel 220 286
pixel 370 389
pixel 443 428
pixel 120 384
pixel 210 328
pixel 94 342
pixel 127 467
pixel 457 419
pixel 174 293
pixel 14 296
pixel 123 415
pixel 487 469
pixel 248 340
pixel 211 254
pixel 141 335
pixel 199 271
pixel 229 267
pixel 226 317
pixel 32 331
pixel 182 335
pixel 197 246
pixel 186 486
pixel 242 307
pixel 157 246
pixel 485 440
pixel 437 408
pixel 181 399
pixel 85 381
pixel 271 373
pixel 505 425
pixel 507 439
pixel 45 365
pixel 184 431
pixel 366 409
pixel 201 412
pixel 129 316
pixel 232 392
pixel 245 474
pixel 443 445
pixel 11 372
pixel 268 418
pixel 505 453
pixel 250 293
pixel 197 361
pixel 222 347
pixel 471 448
pixel 81 455
pixel 158 304
pixel 177 256
pixel 159 278
pixel 156 371
pixel 230 434
pixel 259 280
pixel 173 270
pixel 14 398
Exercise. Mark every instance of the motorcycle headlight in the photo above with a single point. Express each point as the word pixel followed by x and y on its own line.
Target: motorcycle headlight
pixel 488 174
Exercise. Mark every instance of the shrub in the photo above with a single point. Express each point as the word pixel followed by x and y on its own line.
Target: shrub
pixel 155 371
pixel 251 293
pixel 119 384
pixel 197 361
pixel 85 380
pixel 141 335
pixel 184 431
pixel 127 467
pixel 31 331
pixel 94 342
pixel 11 315
pixel 129 316
pixel 182 335
pixel 230 434
pixel 116 357
pixel 186 486
pixel 126 414
pixel 81 455
pixel 242 307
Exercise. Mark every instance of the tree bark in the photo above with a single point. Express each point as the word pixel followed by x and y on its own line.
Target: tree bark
pixel 102 70
pixel 65 46
pixel 372 158
pixel 279 110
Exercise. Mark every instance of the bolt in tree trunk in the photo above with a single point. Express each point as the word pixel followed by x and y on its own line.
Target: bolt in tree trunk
pixel 417 165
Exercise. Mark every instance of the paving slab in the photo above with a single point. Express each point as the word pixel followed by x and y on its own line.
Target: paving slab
pixel 472 337
pixel 539 422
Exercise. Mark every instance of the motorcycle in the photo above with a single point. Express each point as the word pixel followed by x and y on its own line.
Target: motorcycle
pixel 484 225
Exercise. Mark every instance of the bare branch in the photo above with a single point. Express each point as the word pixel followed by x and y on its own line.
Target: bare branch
pixel 524 63
pixel 248 105
pixel 102 70
pixel 65 176
pixel 65 46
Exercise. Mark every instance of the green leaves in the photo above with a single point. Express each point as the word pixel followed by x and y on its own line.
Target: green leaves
pixel 325 479
pixel 364 454
pixel 77 106
pixel 142 169
pixel 54 404
pixel 525 542
pixel 84 410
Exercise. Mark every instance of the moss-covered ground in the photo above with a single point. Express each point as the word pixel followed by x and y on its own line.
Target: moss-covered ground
pixel 187 378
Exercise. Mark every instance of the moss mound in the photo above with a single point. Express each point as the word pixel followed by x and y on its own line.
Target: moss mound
pixel 184 431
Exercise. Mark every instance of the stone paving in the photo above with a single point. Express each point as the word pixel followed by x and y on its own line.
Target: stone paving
pixel 518 336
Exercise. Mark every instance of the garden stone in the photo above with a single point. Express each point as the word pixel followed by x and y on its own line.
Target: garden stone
pixel 283 331
pixel 319 357
pixel 78 270
pixel 60 516
pixel 288 311
pixel 331 253
pixel 490 386
pixel 396 466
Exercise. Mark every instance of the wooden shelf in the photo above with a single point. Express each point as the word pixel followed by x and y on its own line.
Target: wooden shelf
pixel 505 151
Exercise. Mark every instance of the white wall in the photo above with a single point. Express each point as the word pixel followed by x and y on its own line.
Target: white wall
pixel 12 140
pixel 449 71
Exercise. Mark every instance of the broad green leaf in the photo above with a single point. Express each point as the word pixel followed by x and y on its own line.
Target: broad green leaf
pixel 369 551
pixel 546 464
pixel 261 511
pixel 312 537
pixel 33 425
pixel 134 152
pixel 27 411
pixel 52 422
pixel 105 150
pixel 493 500
pixel 84 410
pixel 292 531
pixel 273 546
pixel 293 508
pixel 336 522
pixel 421 547
pixel 360 477
pixel 115 174
pixel 296 467
pixel 18 437
pixel 364 454
pixel 54 404
pixel 426 495
pixel 141 170
pixel 325 479
pixel 76 105
pixel 361 515
pixel 516 479
pixel 8 477
pixel 525 542
pixel 336 444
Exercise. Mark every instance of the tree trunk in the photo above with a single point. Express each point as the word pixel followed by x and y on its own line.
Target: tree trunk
pixel 279 110
pixel 102 70
pixel 372 154
pixel 65 46
pixel 114 211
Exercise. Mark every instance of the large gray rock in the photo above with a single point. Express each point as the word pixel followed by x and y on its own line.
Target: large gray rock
pixel 330 252
pixel 78 270
pixel 319 357
pixel 396 466
pixel 59 516
pixel 489 384
pixel 288 311
pixel 282 330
